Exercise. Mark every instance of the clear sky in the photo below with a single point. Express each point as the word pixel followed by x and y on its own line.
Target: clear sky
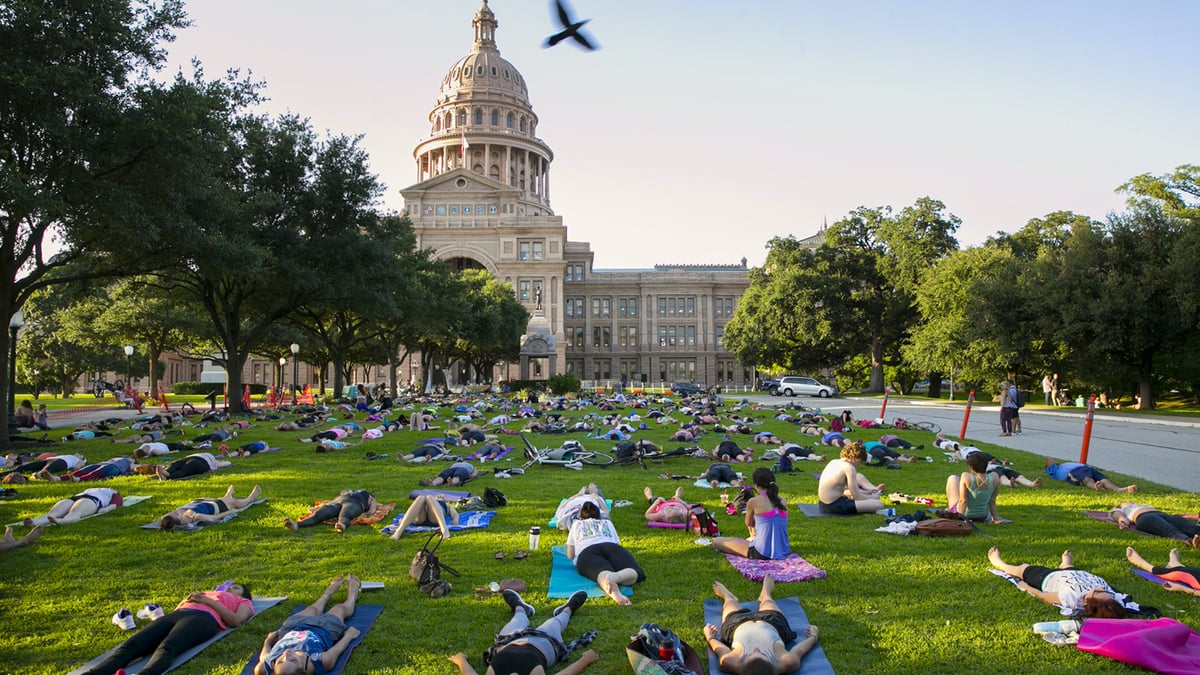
pixel 702 129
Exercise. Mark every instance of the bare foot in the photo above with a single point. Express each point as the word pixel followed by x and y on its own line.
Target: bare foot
pixel 768 587
pixel 1037 482
pixel 352 587
pixel 334 585
pixel 161 472
pixel 820 458
pixel 679 493
pixel 1135 559
pixel 254 494
pixel 290 524
pixel 722 592
pixel 613 590
pixel 52 519
pixel 713 483
pixel 32 536
pixel 27 522
pixel 649 495
pixel 994 557
pixel 339 527
pixel 1131 489
pixel 1068 559
pixel 1195 542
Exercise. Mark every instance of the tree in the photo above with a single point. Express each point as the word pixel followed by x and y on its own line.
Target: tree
pixel 1170 192
pixel 80 123
pixel 493 323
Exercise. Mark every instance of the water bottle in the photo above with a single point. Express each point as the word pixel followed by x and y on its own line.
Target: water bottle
pixel 535 534
pixel 1065 626
pixel 666 652
pixel 725 498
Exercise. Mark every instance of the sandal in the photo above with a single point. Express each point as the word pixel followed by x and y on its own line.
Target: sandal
pixel 500 555
pixel 520 555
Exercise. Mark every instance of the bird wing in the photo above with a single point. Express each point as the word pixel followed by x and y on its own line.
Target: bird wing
pixel 554 39
pixel 582 40
pixel 563 16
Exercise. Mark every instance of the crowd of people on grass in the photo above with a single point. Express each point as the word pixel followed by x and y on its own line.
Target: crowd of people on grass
pixel 312 640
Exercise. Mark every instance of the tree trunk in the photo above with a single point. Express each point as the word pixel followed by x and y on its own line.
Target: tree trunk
pixel 935 385
pixel 876 383
pixel 234 364
pixel 1145 390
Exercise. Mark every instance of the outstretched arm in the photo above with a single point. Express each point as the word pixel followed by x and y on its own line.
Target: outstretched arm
pixel 464 667
pixel 268 642
pixel 330 656
pixel 585 659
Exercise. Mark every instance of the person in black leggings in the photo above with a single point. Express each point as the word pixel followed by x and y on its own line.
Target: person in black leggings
pixel 51 465
pixel 347 506
pixel 1180 578
pixel 192 465
pixel 1146 518
pixel 719 472
pixel 199 617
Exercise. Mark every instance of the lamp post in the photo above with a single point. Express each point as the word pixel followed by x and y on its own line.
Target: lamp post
pixel 129 366
pixel 295 368
pixel 282 384
pixel 14 325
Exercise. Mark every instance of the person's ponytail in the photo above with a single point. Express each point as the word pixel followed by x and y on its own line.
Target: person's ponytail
pixel 765 479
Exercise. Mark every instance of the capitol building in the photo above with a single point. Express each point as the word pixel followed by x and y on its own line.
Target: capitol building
pixel 483 201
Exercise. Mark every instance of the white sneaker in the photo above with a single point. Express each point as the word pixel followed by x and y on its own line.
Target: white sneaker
pixel 123 619
pixel 151 612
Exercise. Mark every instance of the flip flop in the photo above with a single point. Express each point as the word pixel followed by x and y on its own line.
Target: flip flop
pixel 500 555
pixel 520 555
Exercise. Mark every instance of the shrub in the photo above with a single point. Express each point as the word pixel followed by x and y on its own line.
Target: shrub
pixel 564 383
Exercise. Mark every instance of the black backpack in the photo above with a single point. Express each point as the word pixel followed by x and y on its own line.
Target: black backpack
pixel 703 523
pixel 494 498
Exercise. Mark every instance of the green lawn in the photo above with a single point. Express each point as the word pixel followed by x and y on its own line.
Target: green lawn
pixel 890 604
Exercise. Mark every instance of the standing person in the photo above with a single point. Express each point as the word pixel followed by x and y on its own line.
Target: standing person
pixel 312 640
pixel 1048 389
pixel 199 617
pixel 1055 388
pixel 1007 405
pixel 766 520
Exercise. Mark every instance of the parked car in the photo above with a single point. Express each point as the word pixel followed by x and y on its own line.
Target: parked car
pixel 687 389
pixel 794 386
pixel 769 386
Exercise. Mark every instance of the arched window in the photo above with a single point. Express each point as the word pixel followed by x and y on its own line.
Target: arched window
pixel 446 121
pixel 508 120
pixel 522 123
pixel 494 173
pixel 493 71
pixel 462 118
pixel 495 118
pixel 466 72
pixel 506 73
pixel 479 70
pixel 437 124
pixel 478 116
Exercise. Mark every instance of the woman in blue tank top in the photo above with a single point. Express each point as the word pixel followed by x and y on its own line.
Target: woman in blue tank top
pixel 767 520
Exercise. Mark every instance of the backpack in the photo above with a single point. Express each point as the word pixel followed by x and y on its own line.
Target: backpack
pixel 900 423
pixel 426 569
pixel 493 497
pixel 784 465
pixel 944 527
pixel 1019 399
pixel 703 524
pixel 837 425
pixel 652 642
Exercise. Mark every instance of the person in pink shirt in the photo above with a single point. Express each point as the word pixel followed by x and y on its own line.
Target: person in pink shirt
pixel 199 617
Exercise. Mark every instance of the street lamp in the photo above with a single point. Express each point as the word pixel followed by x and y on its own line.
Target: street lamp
pixel 295 365
pixel 129 366
pixel 14 325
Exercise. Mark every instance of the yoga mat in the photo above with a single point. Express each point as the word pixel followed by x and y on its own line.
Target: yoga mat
pixel 261 604
pixel 1161 645
pixel 814 662
pixel 814 511
pixel 450 495
pixel 701 483
pixel 129 501
pixel 470 520
pixel 783 570
pixel 507 449
pixel 363 618
pixel 1148 576
pixel 564 580
pixel 554 520
pixel 670 526
pixel 195 526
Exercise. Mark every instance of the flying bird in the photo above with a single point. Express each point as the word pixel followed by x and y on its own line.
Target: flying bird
pixel 570 29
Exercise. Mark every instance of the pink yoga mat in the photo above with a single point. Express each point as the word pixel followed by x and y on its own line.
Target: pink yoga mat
pixel 1162 645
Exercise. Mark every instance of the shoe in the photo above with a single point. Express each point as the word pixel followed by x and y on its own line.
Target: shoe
pixel 889 512
pixel 514 601
pixel 123 619
pixel 151 612
pixel 573 603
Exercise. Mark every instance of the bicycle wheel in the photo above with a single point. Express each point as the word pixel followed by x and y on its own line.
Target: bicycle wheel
pixel 927 426
pixel 592 458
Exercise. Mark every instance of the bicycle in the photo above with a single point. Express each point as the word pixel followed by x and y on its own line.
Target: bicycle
pixel 573 455
pixel 930 427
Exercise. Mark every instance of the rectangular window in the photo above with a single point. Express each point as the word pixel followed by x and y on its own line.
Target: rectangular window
pixel 691 336
pixel 718 307
pixel 578 272
pixel 670 306
pixel 595 337
pixel 662 336
pixel 633 339
pixel 579 344
pixel 622 308
pixel 606 307
pixel 632 307
pixel 595 306
pixel 720 336
pixel 671 335
pixel 569 308
pixel 537 250
pixel 728 306
pixel 579 308
pixel 662 306
pixel 575 367
pixel 606 337
pixel 570 276
pixel 523 287
pixel 602 369
pixel 691 307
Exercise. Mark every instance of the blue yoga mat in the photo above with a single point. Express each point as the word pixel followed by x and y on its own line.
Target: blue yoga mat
pixel 363 618
pixel 466 521
pixel 814 662
pixel 554 520
pixel 564 580
pixel 260 605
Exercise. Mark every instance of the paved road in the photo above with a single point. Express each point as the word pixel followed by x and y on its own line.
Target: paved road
pixel 1162 449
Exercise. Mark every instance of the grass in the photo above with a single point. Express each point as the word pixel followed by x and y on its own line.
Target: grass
pixel 890 604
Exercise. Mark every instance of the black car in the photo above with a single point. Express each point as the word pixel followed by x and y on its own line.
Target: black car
pixel 687 389
pixel 770 386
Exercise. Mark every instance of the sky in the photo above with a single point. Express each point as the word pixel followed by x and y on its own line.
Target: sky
pixel 701 130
